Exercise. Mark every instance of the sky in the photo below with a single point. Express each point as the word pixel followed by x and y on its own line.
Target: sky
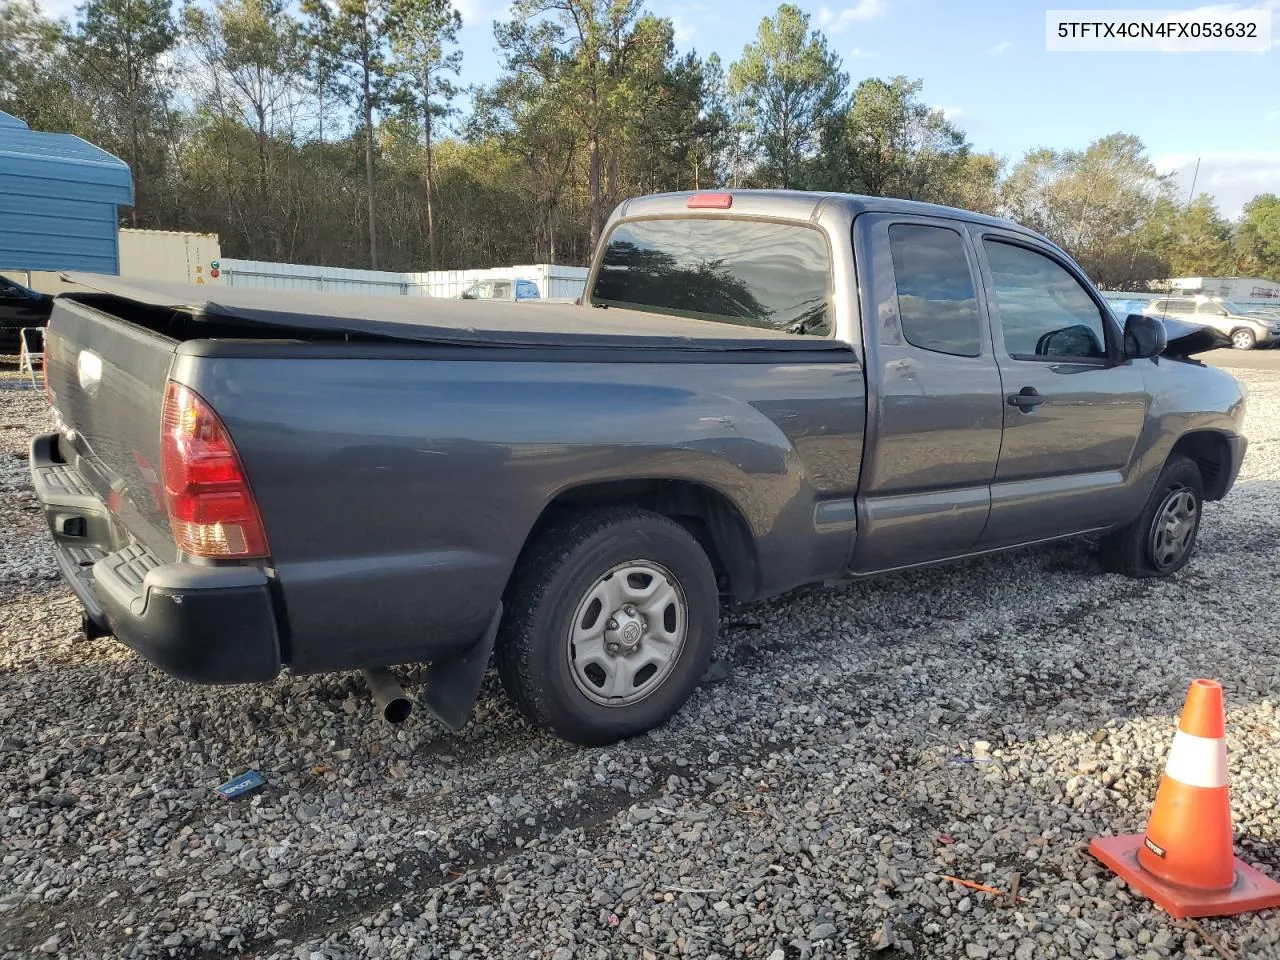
pixel 984 62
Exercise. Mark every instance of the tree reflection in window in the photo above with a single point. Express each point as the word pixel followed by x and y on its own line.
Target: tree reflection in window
pixel 731 271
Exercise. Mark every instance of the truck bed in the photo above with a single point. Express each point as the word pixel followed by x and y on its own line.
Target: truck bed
pixel 276 313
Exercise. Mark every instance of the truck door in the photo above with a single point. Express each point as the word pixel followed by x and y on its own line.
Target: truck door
pixel 935 407
pixel 1074 407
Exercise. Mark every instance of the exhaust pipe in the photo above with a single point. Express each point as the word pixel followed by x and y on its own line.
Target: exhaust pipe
pixel 388 694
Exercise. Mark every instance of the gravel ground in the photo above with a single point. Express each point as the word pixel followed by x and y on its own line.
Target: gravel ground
pixel 849 748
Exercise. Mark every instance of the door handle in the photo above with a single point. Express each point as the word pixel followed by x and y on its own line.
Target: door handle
pixel 1026 399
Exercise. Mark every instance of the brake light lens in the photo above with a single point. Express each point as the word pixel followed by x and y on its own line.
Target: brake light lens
pixel 711 201
pixel 211 508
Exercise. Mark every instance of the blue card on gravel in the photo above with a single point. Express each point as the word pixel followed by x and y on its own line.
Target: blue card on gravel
pixel 238 786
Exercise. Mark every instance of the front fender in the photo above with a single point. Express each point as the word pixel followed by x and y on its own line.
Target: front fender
pixel 1186 398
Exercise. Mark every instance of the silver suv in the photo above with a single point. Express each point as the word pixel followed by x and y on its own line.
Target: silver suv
pixel 1246 327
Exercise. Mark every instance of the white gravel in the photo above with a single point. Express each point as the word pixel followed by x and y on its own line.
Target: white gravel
pixel 849 748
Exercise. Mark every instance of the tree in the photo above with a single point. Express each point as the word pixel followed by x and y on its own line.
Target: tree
pixel 421 33
pixel 976 184
pixel 713 139
pixel 354 34
pixel 521 116
pixel 582 58
pixel 121 45
pixel 789 87
pixel 1095 203
pixel 38 79
pixel 251 61
pixel 1194 240
pixel 890 144
pixel 1257 238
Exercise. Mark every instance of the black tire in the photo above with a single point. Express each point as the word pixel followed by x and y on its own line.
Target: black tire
pixel 1242 338
pixel 554 576
pixel 1134 550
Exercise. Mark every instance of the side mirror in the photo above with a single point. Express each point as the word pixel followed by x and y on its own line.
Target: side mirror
pixel 1144 337
pixel 1076 340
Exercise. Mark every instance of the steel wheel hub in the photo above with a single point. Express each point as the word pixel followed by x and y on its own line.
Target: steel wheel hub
pixel 627 633
pixel 1173 527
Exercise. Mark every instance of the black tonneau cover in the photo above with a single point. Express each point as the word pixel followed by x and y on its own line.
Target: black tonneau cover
pixel 448 321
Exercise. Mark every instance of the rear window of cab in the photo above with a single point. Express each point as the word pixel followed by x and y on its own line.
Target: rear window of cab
pixel 749 272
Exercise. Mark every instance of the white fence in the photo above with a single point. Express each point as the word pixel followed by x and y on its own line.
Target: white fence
pixel 553 281
pixel 1248 303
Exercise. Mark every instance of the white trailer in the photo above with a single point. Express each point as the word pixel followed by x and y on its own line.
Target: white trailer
pixel 171 255
pixel 1237 289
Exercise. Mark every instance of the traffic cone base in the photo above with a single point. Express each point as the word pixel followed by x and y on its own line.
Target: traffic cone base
pixel 1252 890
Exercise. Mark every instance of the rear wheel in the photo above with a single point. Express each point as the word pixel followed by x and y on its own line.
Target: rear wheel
pixel 1160 542
pixel 1242 338
pixel 609 625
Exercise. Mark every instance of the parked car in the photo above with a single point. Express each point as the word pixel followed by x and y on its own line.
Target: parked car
pixel 502 290
pixel 1246 327
pixel 523 291
pixel 763 390
pixel 20 307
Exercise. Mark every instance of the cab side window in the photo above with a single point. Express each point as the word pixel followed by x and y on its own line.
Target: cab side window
pixel 937 304
pixel 1044 311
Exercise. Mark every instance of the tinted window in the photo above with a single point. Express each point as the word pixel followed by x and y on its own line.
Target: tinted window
pixel 733 271
pixel 1044 310
pixel 1213 309
pixel 936 298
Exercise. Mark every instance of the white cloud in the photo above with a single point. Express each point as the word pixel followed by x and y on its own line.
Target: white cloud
pixel 1273 116
pixel 837 21
pixel 59 8
pixel 682 30
pixel 951 113
pixel 857 53
pixel 482 13
pixel 1001 47
pixel 1231 177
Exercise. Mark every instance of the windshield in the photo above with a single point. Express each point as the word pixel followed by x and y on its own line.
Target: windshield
pixel 751 272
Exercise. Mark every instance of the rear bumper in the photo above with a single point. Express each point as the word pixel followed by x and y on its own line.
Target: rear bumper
pixel 204 624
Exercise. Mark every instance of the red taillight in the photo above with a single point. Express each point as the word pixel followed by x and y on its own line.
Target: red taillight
pixel 211 508
pixel 711 201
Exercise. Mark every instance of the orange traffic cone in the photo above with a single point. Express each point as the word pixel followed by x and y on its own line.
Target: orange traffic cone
pixel 1184 861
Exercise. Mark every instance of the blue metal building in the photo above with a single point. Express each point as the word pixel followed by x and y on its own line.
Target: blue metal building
pixel 58 201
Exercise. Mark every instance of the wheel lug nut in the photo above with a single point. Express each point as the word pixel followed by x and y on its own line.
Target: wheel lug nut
pixel 613 624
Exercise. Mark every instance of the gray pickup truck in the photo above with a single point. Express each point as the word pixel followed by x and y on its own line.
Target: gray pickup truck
pixel 761 390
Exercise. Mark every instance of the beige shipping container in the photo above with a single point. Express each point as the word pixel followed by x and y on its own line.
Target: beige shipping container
pixel 171 255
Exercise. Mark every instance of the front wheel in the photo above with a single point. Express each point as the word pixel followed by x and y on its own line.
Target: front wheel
pixel 1159 543
pixel 609 625
pixel 1243 338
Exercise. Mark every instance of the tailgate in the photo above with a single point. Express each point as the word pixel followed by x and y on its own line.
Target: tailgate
pixel 107 378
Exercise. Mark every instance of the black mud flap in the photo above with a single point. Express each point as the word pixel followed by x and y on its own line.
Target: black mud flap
pixel 453 685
